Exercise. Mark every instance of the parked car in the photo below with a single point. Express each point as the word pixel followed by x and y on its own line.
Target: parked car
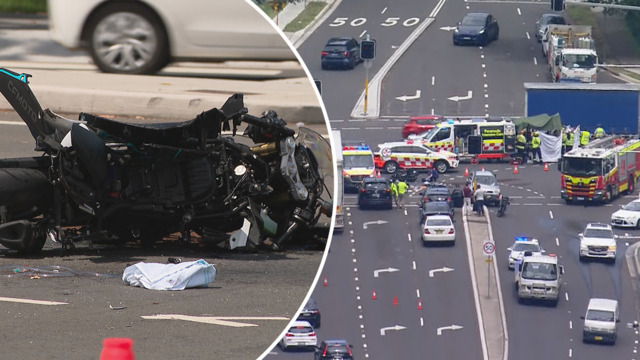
pixel 375 192
pixel 476 28
pixel 489 183
pixel 311 313
pixel 299 335
pixel 340 52
pixel 522 245
pixel 628 216
pixel 438 228
pixel 143 36
pixel 334 349
pixel 417 125
pixel 545 21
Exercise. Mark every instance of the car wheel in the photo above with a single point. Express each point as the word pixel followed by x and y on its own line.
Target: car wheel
pixel 455 43
pixel 638 224
pixel 352 64
pixel 127 38
pixel 441 166
pixel 391 167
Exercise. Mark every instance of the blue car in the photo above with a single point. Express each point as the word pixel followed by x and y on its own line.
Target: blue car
pixel 476 28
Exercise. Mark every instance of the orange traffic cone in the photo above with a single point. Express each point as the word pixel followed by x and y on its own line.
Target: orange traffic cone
pixel 482 167
pixel 117 349
pixel 378 174
pixel 546 167
pixel 395 301
pixel 515 168
pixel 466 171
pixel 324 283
pixel 419 304
pixel 373 295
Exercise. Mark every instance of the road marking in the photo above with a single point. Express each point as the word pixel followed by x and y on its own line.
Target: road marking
pixel 384 11
pixel 535 61
pixel 421 322
pixel 519 13
pixel 570 324
pixel 530 204
pixel 3 122
pixel 442 269
pixel 451 327
pixel 557 242
pixel 389 270
pixel 414 265
pixel 566 296
pixel 433 80
pixel 528 38
pixel 374 128
pixel 409 236
pixel 551 214
pixel 214 320
pixel 570 352
pixel 385 329
pixel 362 34
pixel 32 301
pixel 418 293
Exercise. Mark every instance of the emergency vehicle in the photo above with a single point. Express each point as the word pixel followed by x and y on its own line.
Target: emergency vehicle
pixel 601 171
pixel 481 138
pixel 538 277
pixel 412 155
pixel 357 164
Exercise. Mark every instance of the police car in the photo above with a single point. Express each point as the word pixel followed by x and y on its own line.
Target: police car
pixel 410 154
pixel 522 244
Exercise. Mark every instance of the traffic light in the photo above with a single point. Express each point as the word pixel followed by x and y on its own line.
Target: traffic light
pixel 557 5
pixel 368 49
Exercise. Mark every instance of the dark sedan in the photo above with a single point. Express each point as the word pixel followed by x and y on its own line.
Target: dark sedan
pixel 476 28
pixel 375 192
pixel 435 208
pixel 311 313
pixel 436 193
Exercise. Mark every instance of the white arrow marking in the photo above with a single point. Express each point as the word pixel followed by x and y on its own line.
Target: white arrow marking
pixel 31 301
pixel 397 327
pixel 442 269
pixel 458 98
pixel 408 97
pixel 376 272
pixel 377 222
pixel 215 320
pixel 452 327
pixel 448 28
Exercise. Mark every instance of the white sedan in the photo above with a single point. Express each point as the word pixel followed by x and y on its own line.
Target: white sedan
pixel 523 244
pixel 437 228
pixel 628 216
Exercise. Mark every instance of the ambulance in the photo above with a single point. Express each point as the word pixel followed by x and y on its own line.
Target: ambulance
pixel 412 154
pixel 481 138
pixel 358 164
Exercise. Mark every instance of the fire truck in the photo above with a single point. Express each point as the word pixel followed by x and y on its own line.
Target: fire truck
pixel 357 162
pixel 601 171
pixel 481 138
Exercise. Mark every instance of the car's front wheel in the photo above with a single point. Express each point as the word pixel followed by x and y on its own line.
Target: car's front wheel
pixel 391 167
pixel 442 166
pixel 127 38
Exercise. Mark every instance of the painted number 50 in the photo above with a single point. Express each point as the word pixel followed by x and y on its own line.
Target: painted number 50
pixel 392 21
pixel 342 21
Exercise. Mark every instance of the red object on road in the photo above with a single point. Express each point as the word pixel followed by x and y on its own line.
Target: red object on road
pixel 466 171
pixel 117 349
pixel 546 167
pixel 515 168
pixel 395 301
pixel 419 304
pixel 373 295
pixel 324 283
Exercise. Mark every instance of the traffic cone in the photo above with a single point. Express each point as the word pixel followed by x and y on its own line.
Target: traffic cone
pixel 395 301
pixel 482 167
pixel 419 304
pixel 515 168
pixel 117 349
pixel 373 295
pixel 466 171
pixel 324 283
pixel 378 174
pixel 546 167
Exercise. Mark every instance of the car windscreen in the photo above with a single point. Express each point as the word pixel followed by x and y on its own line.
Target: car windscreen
pixel 486 180
pixel 579 61
pixel 576 166
pixel 437 207
pixel 438 222
pixel 376 185
pixel 539 271
pixel 526 247
pixel 600 315
pixel 598 233
pixel 473 21
pixel 357 161
pixel 300 330
pixel 632 206
pixel 339 48
pixel 337 349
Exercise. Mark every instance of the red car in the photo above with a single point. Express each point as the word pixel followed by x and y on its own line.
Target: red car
pixel 420 124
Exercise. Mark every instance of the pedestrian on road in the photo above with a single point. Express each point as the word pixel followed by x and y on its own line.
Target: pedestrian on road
pixel 402 188
pixel 393 187
pixel 521 144
pixel 479 197
pixel 466 193
pixel 434 175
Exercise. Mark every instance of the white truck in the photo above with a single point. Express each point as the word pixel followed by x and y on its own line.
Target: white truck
pixel 571 54
pixel 339 190
pixel 538 277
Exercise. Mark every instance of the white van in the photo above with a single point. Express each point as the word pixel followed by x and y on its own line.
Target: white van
pixel 601 321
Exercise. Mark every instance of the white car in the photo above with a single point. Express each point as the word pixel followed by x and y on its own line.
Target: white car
pixel 628 216
pixel 598 241
pixel 438 228
pixel 300 334
pixel 142 36
pixel 520 246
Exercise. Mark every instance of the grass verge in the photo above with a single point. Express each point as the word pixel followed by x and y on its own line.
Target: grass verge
pixel 23 6
pixel 307 15
pixel 268 9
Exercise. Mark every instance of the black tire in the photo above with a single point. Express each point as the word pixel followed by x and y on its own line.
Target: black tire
pixel 391 167
pixel 638 224
pixel 441 166
pixel 122 19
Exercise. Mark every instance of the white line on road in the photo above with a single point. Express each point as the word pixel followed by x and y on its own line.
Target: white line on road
pixel 414 265
pixel 215 320
pixel 557 242
pixel 515 197
pixel 530 204
pixel 374 128
pixel 31 301
pixel 519 13
pixel 384 11
pixel 362 34
pixel 570 352
pixel 433 80
pixel 421 322
pixel 566 296
pixel 3 122
pixel 405 212
pixel 528 37
pixel 535 61
pixel 570 324
pixel 409 236
pixel 336 120
pixel 551 214
pixel 418 293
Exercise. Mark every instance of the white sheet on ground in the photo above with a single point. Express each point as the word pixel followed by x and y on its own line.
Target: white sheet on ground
pixel 180 276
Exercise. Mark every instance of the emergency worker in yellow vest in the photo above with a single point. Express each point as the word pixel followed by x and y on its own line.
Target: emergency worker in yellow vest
pixel 521 144
pixel 564 141
pixel 568 145
pixel 536 154
pixel 584 137
pixel 599 133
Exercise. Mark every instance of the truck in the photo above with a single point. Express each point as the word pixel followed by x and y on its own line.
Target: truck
pixel 538 277
pixel 338 225
pixel 614 106
pixel 571 54
pixel 600 171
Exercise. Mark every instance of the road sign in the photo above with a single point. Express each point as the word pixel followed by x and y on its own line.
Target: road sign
pixel 488 247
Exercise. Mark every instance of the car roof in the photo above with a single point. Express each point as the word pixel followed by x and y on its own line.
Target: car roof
pixel 426 117
pixel 338 40
pixel 483 173
pixel 602 304
pixel 337 342
pixel 477 15
pixel 532 241
pixel 301 323
pixel 375 180
pixel 598 226
pixel 437 189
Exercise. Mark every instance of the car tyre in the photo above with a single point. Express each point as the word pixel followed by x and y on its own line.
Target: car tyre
pixel 391 167
pixel 497 35
pixel 638 224
pixel 441 166
pixel 114 50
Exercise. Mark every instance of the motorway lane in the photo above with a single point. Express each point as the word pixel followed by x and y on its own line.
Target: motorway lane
pixel 388 22
pixel 560 328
